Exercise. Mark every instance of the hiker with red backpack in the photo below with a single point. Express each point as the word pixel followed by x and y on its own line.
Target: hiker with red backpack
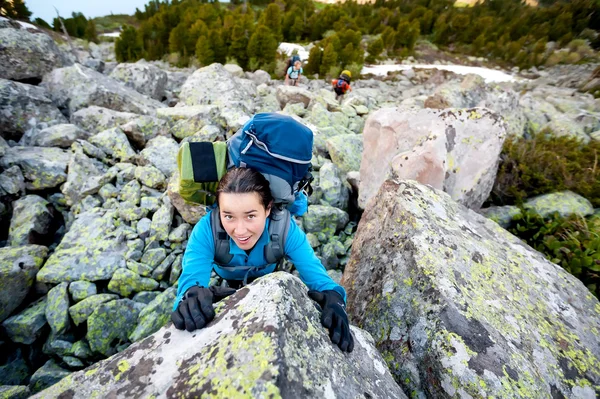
pixel 341 85
pixel 250 229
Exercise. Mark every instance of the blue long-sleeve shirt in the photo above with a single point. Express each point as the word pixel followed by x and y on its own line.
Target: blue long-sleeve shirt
pixel 198 260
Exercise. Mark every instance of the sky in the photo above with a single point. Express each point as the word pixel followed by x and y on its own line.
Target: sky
pixel 90 8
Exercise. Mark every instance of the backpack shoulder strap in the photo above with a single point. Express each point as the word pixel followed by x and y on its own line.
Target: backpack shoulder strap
pixel 279 227
pixel 220 238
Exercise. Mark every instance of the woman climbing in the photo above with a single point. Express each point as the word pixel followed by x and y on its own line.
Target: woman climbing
pixel 245 210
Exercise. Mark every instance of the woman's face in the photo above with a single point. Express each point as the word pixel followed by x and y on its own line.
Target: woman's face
pixel 243 217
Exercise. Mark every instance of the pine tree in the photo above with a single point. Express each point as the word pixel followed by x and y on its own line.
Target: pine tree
pixel 271 18
pixel 347 55
pixel 314 60
pixel 329 60
pixel 15 9
pixel 218 47
pixel 128 46
pixel 204 53
pixel 42 23
pixel 177 40
pixel 239 45
pixel 374 49
pixel 262 46
pixel 90 31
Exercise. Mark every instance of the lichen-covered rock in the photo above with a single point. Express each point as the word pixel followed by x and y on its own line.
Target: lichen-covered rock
pixel 114 143
pixel 346 151
pixel 96 119
pixel 144 128
pixel 46 376
pixel 180 233
pixel 14 370
pixel 61 135
pixel 81 349
pixel 155 315
pixel 82 310
pixel 23 106
pixel 57 308
pixel 266 341
pixel 162 221
pixel 91 250
pixel 27 55
pixel 79 87
pixel 215 85
pixel 503 215
pixel 566 203
pixel 439 148
pixel 153 257
pixel 18 268
pixel 324 218
pixel 139 268
pixel 30 222
pixel 160 271
pixel 143 77
pixel 131 192
pixel 111 322
pixel 232 120
pixel 27 326
pixel 293 95
pixel 125 282
pixel 162 153
pixel 461 307
pixel 334 189
pixel 14 391
pixel 12 181
pixel 43 167
pixel 150 176
pixel 80 290
pixel 86 176
pixel 174 115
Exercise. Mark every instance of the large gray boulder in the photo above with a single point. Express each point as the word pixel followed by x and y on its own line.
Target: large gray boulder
pixel 111 323
pixel 27 55
pixel 93 249
pixel 215 85
pixel 293 95
pixel 474 92
pixel 461 308
pixel 61 135
pixel 18 268
pixel 143 77
pixel 161 152
pixel 30 222
pixel 23 106
pixel 566 203
pixel 86 176
pixel 28 325
pixel 266 341
pixel 439 148
pixel 78 87
pixel 43 167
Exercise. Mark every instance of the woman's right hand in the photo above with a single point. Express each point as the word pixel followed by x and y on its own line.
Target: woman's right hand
pixel 196 310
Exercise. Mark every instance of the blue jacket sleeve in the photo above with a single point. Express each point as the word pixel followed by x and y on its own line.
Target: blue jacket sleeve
pixel 312 272
pixel 198 259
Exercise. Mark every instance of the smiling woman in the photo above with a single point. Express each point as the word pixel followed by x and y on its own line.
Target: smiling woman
pixel 237 240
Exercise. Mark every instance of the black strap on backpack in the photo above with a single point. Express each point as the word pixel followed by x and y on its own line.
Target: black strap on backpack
pixel 274 252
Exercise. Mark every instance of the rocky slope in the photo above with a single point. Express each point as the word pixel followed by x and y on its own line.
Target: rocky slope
pixel 95 230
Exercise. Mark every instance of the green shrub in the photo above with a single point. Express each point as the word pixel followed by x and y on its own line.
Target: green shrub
pixel 573 243
pixel 545 164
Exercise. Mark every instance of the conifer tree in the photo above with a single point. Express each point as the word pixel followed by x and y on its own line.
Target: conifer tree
pixel 15 9
pixel 239 45
pixel 374 49
pixel 128 46
pixel 177 40
pixel 314 60
pixel 328 60
pixel 262 46
pixel 204 53
pixel 218 47
pixel 271 18
pixel 90 31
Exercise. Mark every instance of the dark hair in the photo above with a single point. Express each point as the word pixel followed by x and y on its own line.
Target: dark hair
pixel 246 180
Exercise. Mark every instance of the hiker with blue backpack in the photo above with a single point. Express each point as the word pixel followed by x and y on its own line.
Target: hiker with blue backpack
pixel 293 74
pixel 250 229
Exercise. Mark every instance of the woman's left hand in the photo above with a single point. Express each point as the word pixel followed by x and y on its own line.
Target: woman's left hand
pixel 334 318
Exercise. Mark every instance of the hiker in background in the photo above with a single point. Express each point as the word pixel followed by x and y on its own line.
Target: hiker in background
pixel 244 211
pixel 291 61
pixel 293 74
pixel 342 84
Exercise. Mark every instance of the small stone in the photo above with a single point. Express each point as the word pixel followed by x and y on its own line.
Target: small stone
pixel 150 203
pixel 80 290
pixel 81 349
pixel 176 270
pixel 145 297
pixel 57 308
pixel 155 315
pixel 73 362
pixel 108 191
pixel 180 233
pixel 160 271
pixel 131 192
pixel 82 310
pixel 46 376
pixel 27 326
pixel 139 268
pixel 313 240
pixel 143 227
pixel 154 257
pixel 110 325
pixel 125 282
pixel 14 391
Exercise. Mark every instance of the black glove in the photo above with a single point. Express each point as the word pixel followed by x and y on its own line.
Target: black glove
pixel 196 308
pixel 334 318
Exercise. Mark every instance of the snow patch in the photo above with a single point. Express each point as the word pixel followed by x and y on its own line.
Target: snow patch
pixel 489 75
pixel 288 48
pixel 24 25
pixel 111 34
